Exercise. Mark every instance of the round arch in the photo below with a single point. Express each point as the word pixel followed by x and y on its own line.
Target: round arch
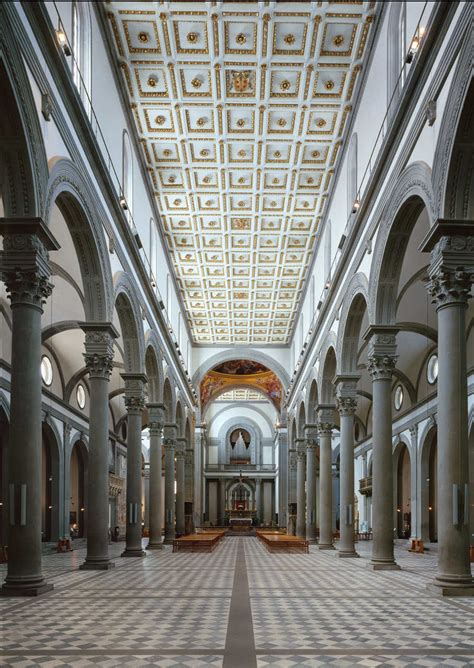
pixel 169 399
pixel 354 306
pixel 411 195
pixel 239 352
pixel 256 437
pixel 237 386
pixel 153 367
pixel 428 483
pixel 126 303
pixel 68 189
pixel 327 369
pixel 51 465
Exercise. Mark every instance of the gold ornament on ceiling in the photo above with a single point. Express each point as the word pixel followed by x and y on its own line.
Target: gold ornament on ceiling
pixel 241 81
pixel 305 204
pixel 315 154
pixel 152 81
pixel 289 38
pixel 196 82
pixel 143 37
pixel 192 37
pixel 206 179
pixel 241 179
pixel 277 154
pixel 182 223
pixel 281 122
pixel 241 203
pixel 201 121
pixel 241 122
pixel 310 180
pixel 171 179
pixel 321 123
pixel 241 153
pixel 177 202
pixel 285 85
pixel 276 181
pixel 204 152
pixel 167 152
pixel 160 120
pixel 338 40
pixel 208 202
pixel 273 203
pixel 329 85
pixel 241 38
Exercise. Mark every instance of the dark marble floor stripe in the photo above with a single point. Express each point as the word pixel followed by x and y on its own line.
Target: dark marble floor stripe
pixel 240 642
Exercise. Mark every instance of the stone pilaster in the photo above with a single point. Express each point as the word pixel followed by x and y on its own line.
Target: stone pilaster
pixel 169 443
pixel 325 427
pixel 382 359
pixel 346 402
pixel 311 438
pixel 135 384
pixel 282 436
pixel 451 275
pixel 25 270
pixel 156 419
pixel 99 355
pixel 180 454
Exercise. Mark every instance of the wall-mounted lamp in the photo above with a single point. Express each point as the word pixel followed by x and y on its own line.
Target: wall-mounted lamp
pixel 415 45
pixel 62 41
pixel 355 206
pixel 123 203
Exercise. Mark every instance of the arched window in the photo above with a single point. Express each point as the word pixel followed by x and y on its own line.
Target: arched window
pixel 396 53
pixel 352 174
pixel 82 50
pixel 127 174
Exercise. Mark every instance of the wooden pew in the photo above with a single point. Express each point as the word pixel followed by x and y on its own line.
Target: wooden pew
pixel 200 542
pixel 277 542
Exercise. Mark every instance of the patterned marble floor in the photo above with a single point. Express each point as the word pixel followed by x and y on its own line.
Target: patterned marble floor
pixel 187 610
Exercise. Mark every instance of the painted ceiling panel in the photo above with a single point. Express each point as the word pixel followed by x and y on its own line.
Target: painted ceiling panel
pixel 240 109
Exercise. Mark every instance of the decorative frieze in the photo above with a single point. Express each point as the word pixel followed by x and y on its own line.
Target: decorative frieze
pixel 99 345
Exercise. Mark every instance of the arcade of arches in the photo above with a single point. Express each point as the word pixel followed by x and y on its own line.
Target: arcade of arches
pixel 236 271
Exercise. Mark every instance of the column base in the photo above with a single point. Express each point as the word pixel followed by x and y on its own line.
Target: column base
pixel 133 553
pixel 91 565
pixel 155 546
pixel 326 546
pixel 348 555
pixel 25 589
pixel 450 588
pixel 383 566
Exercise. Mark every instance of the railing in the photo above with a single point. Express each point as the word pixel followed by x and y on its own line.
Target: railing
pixel 240 467
pixel 377 147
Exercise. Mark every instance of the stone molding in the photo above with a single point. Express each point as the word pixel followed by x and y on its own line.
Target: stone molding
pixel 156 418
pixel 99 345
pixel 381 351
pixel 134 398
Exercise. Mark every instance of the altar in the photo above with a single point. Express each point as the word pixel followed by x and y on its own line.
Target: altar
pixel 240 521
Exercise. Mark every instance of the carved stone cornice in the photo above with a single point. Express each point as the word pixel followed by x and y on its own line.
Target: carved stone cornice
pixel 311 436
pixel 451 270
pixel 99 345
pixel 135 384
pixel 180 449
pixel 300 444
pixel 156 418
pixel 170 433
pixel 381 352
pixel 24 260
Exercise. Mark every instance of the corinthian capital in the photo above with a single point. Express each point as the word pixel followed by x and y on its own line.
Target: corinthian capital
pixel 156 417
pixel 99 345
pixel 135 384
pixel 180 450
pixel 24 261
pixel 451 270
pixel 381 353
pixel 325 419
pixel 346 393
pixel 170 433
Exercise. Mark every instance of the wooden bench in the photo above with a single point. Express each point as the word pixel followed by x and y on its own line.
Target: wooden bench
pixel 277 542
pixel 198 542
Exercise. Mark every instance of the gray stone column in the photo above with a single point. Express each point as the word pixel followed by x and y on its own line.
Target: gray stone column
pixel 135 403
pixel 24 266
pixel 300 487
pixel 292 465
pixel 346 405
pixel 451 276
pixel 197 476
pixel 221 515
pixel 99 346
pixel 311 436
pixel 169 444
pixel 381 362
pixel 180 454
pixel 156 416
pixel 325 427
pixel 282 436
pixel 258 499
pixel 365 497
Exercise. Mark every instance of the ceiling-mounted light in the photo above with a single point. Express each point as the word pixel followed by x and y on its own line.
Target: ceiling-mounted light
pixel 62 41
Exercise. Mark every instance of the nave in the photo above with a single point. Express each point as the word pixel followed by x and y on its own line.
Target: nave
pixel 239 606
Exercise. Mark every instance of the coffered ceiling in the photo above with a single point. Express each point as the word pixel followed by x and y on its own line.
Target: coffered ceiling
pixel 240 109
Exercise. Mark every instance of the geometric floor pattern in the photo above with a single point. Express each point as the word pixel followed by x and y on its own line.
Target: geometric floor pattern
pixel 175 610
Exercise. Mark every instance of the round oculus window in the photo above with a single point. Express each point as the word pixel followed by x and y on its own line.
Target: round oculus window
pixel 81 396
pixel 46 370
pixel 432 369
pixel 398 397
